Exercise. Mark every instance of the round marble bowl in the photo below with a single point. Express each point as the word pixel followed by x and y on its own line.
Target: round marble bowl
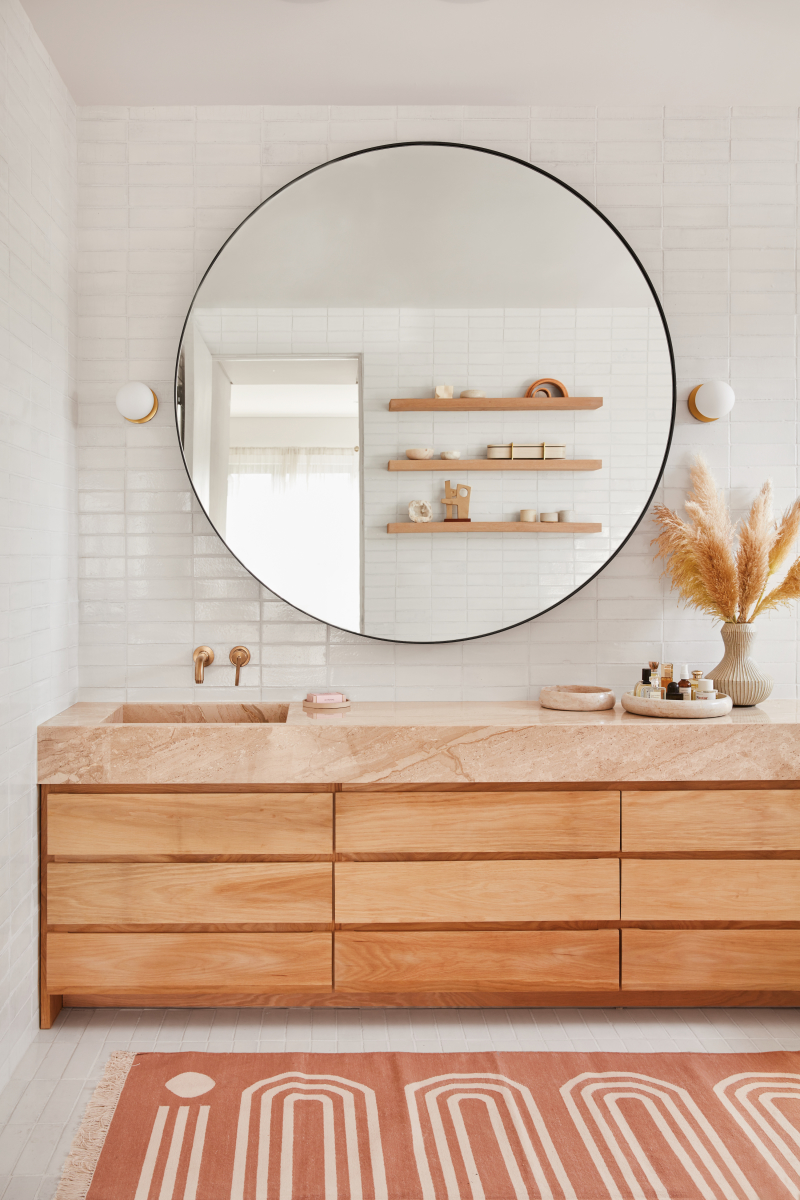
pixel 692 710
pixel 420 452
pixel 576 697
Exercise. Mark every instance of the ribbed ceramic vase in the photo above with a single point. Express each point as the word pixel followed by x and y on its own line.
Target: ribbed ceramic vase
pixel 737 675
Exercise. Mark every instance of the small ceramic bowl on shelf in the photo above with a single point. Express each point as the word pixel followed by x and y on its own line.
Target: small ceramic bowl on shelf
pixel 420 452
pixel 577 697
pixel 450 454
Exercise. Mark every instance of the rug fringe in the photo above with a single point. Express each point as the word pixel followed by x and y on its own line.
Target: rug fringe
pixel 88 1141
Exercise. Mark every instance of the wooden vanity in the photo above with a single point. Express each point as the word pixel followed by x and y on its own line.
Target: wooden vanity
pixel 443 893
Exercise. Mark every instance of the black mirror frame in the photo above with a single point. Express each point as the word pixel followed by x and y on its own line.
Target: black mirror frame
pixel 178 383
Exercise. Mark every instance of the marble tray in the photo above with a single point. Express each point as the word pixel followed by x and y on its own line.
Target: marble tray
pixel 692 710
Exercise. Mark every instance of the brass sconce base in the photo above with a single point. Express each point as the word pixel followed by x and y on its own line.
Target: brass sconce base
pixel 694 410
pixel 150 415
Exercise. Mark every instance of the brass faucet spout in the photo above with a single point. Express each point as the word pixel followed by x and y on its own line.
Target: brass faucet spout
pixel 203 657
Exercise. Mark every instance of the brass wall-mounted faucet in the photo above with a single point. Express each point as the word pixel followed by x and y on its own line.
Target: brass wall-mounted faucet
pixel 240 657
pixel 203 657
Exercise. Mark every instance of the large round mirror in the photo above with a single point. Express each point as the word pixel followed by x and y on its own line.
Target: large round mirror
pixel 425 392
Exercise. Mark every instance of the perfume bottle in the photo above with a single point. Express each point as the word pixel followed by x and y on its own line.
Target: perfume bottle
pixel 696 677
pixel 642 683
pixel 658 691
pixel 666 673
pixel 673 691
pixel 684 683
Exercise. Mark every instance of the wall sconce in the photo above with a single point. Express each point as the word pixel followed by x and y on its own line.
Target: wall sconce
pixel 137 403
pixel 710 401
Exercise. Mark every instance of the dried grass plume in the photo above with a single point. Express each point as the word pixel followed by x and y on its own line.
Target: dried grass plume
pixel 726 572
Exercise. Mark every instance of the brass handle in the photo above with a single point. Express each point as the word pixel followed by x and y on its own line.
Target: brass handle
pixel 203 657
pixel 240 657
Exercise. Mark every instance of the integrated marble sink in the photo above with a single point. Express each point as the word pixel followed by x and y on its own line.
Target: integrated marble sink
pixel 200 714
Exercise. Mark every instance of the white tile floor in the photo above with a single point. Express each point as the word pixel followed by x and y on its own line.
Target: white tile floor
pixel 43 1104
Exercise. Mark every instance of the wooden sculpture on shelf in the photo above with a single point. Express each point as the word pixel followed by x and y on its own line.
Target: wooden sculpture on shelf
pixel 457 499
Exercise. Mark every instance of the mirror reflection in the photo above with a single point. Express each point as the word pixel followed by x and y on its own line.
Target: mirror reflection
pixel 322 376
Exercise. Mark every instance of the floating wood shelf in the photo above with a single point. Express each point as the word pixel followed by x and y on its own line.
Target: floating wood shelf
pixel 495 527
pixel 499 404
pixel 457 465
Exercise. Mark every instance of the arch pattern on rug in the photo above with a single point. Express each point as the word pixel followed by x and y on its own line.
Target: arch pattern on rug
pixel 445 1156
pixel 593 1100
pixel 349 1121
pixel 750 1098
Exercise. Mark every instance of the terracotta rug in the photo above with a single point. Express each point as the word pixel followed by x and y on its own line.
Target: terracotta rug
pixel 440 1127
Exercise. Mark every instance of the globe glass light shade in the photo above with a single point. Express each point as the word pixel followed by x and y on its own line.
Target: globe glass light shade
pixel 137 402
pixel 712 400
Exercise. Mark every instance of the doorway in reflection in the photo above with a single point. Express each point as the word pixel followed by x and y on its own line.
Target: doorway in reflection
pixel 282 479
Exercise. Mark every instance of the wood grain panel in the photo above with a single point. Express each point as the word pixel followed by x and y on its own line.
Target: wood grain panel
pixel 188 893
pixel 722 819
pixel 467 891
pixel 173 962
pixel 496 962
pixel 477 822
pixel 721 959
pixel 710 890
pixel 200 823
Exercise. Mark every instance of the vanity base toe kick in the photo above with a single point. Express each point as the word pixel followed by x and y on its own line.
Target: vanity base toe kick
pixel 454 896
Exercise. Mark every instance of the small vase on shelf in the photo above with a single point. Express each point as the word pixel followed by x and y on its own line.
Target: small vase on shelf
pixel 737 675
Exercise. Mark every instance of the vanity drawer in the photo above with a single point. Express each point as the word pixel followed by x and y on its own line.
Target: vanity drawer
pixel 710 959
pixel 536 961
pixel 753 819
pixel 710 890
pixel 172 823
pixel 185 962
pixel 476 822
pixel 189 893
pixel 392 893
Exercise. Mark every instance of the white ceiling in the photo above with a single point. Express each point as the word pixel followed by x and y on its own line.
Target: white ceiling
pixel 412 52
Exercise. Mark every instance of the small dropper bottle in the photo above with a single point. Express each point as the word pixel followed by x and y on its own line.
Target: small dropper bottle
pixel 684 684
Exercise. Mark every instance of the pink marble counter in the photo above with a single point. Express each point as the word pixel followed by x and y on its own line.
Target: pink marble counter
pixel 413 742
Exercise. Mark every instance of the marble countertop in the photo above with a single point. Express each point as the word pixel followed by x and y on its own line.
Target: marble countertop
pixel 412 742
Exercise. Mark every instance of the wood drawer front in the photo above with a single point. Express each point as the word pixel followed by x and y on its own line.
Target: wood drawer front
pixel 701 959
pixel 536 961
pixel 175 962
pixel 189 893
pixel 182 823
pixel 710 890
pixel 475 822
pixel 756 819
pixel 468 891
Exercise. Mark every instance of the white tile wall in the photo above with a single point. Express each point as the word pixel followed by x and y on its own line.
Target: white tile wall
pixel 707 198
pixel 38 486
pixel 441 587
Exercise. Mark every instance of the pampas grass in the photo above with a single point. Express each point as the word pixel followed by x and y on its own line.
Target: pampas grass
pixel 726 573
